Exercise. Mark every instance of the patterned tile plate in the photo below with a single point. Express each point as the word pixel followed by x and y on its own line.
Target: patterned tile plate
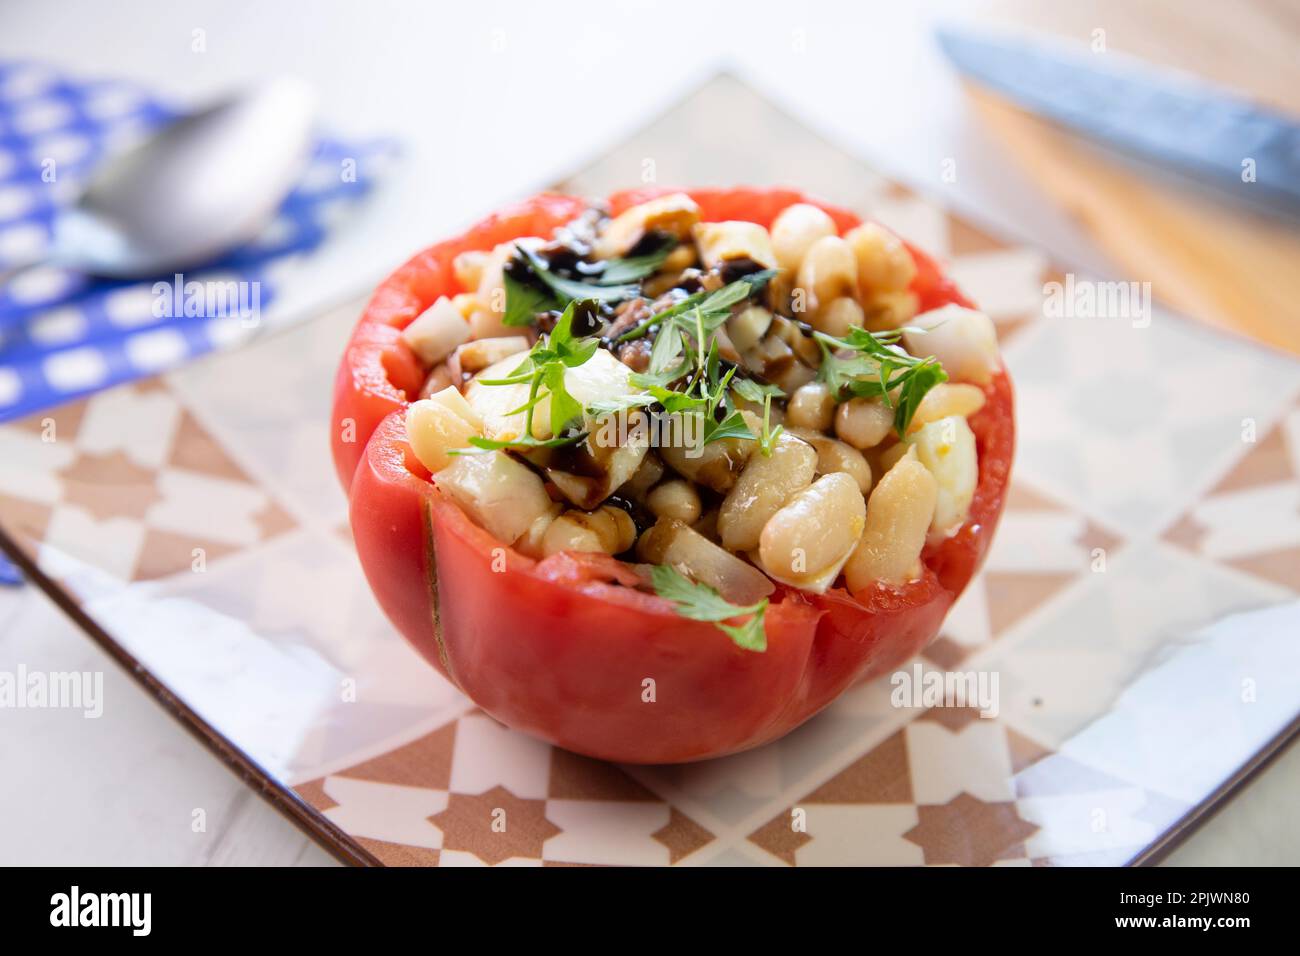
pixel 1134 628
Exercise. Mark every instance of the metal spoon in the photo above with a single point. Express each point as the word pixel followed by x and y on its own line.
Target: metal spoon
pixel 200 186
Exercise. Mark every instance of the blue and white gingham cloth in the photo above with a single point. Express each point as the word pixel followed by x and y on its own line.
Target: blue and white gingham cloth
pixel 63 335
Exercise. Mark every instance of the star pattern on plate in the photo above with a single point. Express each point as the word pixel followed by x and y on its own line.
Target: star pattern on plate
pixel 495 825
pixel 969 832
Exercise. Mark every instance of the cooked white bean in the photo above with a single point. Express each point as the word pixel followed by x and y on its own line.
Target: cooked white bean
pixel 795 230
pixel 747 328
pixel 433 429
pixel 899 512
pixel 884 458
pixel 841 315
pixel 811 406
pixel 673 214
pixel 808 541
pixel 721 242
pixel 884 264
pixel 714 465
pixel 644 478
pixel 436 331
pixel 608 529
pixel 963 340
pixel 863 422
pixel 945 399
pixel 468 268
pixel 793 376
pixel 675 499
pixel 837 456
pixel 673 543
pixel 530 542
pixel 947 448
pixel 501 494
pixel 828 271
pixel 889 310
pixel 763 487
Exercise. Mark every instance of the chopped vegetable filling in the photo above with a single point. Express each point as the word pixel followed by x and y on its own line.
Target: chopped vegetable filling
pixel 722 405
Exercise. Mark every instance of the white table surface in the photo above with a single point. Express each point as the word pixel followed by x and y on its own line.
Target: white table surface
pixel 468 88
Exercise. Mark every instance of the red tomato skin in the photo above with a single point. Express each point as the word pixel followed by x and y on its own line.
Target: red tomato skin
pixel 378 372
pixel 562 650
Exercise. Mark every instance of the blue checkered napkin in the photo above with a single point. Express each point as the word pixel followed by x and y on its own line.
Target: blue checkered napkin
pixel 63 335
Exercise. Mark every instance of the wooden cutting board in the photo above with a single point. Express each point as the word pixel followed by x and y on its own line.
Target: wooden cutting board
pixel 1215 261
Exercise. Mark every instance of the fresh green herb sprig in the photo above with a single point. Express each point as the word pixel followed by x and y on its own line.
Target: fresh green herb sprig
pixel 686 347
pixel 617 281
pixel 699 602
pixel 636 268
pixel 714 306
pixel 544 368
pixel 875 367
pixel 760 393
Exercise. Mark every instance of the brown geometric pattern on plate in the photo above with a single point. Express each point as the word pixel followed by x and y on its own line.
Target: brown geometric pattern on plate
pixel 1250 519
pixel 129 482
pixel 472 792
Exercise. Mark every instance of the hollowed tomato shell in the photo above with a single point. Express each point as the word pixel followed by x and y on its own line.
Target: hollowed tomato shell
pixel 564 648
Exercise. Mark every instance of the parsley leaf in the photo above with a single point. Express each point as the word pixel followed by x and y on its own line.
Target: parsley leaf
pixel 524 301
pixel 922 378
pixel 875 367
pixel 635 268
pixel 715 306
pixel 567 290
pixel 545 365
pixel 699 602
pixel 523 441
pixel 756 392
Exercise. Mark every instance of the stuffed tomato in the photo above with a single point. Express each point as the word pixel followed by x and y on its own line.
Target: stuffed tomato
pixel 657 478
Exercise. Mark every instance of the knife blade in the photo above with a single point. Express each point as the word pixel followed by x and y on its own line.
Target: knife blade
pixel 1169 119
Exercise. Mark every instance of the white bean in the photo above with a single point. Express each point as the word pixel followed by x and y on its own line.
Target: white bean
pixel 945 399
pixel 811 406
pixel 899 512
pixel 963 340
pixel 433 429
pixel 608 530
pixel 841 315
pixel 828 271
pixel 675 499
pixel 863 422
pixel 808 541
pixel 714 465
pixel 837 456
pixel 884 264
pixel 795 229
pixel 763 487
